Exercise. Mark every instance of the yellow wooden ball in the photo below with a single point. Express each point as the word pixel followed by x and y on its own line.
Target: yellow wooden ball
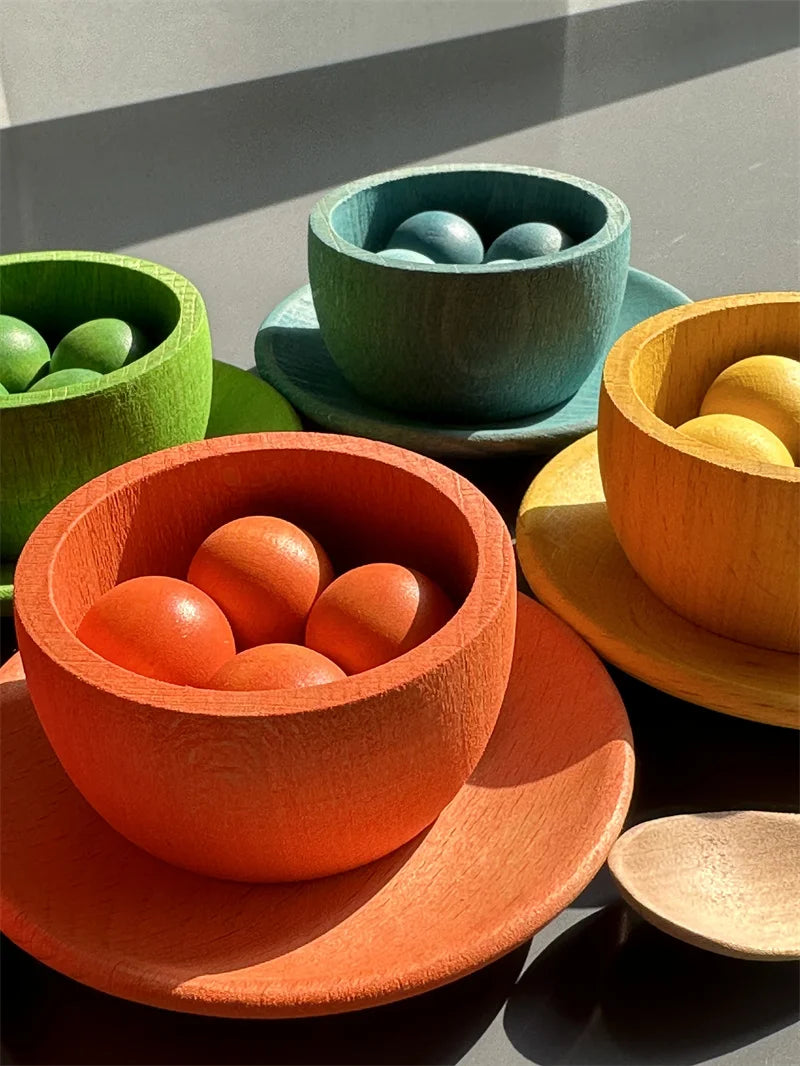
pixel 765 388
pixel 742 437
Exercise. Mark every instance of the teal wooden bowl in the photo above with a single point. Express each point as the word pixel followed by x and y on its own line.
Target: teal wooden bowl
pixel 474 343
pixel 53 442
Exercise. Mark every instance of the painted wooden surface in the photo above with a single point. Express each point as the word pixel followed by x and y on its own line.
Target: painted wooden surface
pixel 715 537
pixel 516 845
pixel 575 565
pixel 291 355
pixel 243 403
pixel 477 343
pixel 271 785
pixel 50 443
pixel 765 388
pixel 240 403
pixel 725 881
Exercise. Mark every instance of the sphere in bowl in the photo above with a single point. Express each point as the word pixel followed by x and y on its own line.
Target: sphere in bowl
pixel 101 344
pixel 62 379
pixel 286 784
pixel 715 537
pixel 469 342
pixel 157 401
pixel 765 388
pixel 441 236
pixel 159 627
pixel 738 436
pixel 404 255
pixel 275 666
pixel 24 354
pixel 529 240
pixel 265 573
pixel 374 613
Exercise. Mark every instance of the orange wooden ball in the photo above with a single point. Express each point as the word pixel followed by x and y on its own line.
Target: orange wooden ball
pixel 159 627
pixel 265 573
pixel 374 613
pixel 275 666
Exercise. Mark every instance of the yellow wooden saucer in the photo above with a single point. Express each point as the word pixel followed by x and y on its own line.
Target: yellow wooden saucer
pixel 575 565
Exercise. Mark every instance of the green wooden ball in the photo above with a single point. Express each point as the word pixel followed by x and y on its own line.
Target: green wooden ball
pixel 51 442
pixel 62 379
pixel 24 354
pixel 101 344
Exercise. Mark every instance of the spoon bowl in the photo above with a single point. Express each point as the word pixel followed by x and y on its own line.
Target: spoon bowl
pixel 725 881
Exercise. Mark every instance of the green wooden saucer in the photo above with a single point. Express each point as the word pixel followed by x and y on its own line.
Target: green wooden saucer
pixel 240 403
pixel 291 355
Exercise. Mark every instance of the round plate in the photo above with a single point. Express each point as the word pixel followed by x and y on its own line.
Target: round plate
pixel 574 564
pixel 240 403
pixel 522 838
pixel 291 356
pixel 243 403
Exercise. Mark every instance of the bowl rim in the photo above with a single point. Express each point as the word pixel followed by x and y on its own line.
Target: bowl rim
pixel 493 585
pixel 191 316
pixel 619 388
pixel 618 219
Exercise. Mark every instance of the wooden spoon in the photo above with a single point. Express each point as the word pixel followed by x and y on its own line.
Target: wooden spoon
pixel 727 881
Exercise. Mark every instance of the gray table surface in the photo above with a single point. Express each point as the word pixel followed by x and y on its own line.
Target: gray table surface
pixel 597 986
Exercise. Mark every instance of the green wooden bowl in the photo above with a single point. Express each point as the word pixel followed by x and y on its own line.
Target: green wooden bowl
pixel 53 442
pixel 482 343
pixel 240 403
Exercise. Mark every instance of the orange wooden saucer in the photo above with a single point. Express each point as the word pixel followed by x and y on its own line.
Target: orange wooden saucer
pixel 517 844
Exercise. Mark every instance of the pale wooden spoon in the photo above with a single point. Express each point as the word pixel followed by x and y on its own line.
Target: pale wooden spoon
pixel 727 881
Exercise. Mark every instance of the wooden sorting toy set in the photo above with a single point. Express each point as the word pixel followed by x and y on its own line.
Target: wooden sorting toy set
pixel 283 738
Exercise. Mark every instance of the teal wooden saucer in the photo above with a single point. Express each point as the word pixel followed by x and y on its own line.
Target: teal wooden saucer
pixel 240 403
pixel 291 355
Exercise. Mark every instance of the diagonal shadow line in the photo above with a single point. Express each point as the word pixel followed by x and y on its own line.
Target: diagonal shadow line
pixel 115 177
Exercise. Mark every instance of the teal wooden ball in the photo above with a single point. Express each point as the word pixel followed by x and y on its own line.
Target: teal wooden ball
pixel 529 240
pixel 440 235
pixel 24 354
pixel 101 344
pixel 61 379
pixel 404 255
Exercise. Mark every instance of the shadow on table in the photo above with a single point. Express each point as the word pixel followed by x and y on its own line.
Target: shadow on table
pixel 691 759
pixel 614 991
pixel 48 1018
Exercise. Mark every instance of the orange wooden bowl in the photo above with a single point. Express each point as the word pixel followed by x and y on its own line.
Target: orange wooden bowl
pixel 716 538
pixel 271 786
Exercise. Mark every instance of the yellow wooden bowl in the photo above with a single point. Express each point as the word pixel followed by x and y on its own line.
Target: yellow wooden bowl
pixel 716 537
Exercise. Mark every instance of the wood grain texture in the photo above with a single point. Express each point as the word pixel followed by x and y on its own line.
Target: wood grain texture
pixel 271 785
pixel 725 881
pixel 477 343
pixel 50 443
pixel 575 565
pixel 515 846
pixel 240 403
pixel 717 538
pixel 291 355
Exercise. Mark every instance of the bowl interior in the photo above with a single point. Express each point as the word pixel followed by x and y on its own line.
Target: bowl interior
pixel 492 200
pixel 55 295
pixel 672 371
pixel 361 510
